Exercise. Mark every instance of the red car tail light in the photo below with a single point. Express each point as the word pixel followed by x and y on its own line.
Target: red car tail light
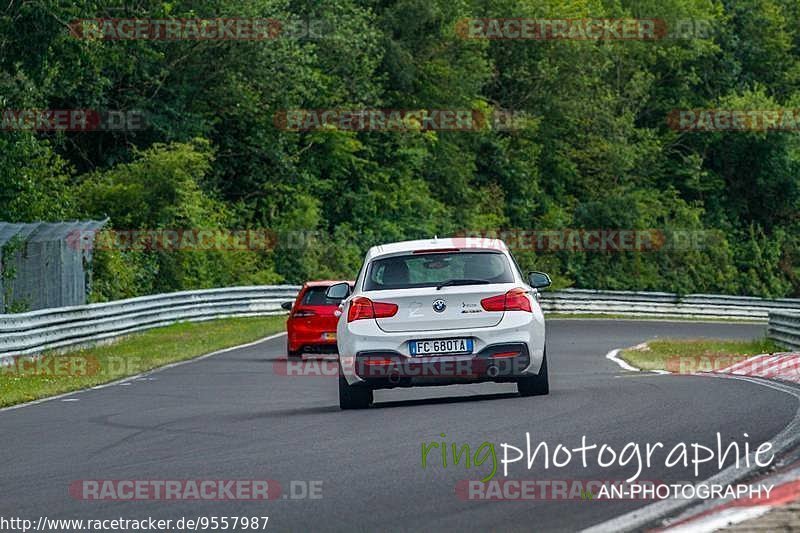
pixel 361 308
pixel 513 300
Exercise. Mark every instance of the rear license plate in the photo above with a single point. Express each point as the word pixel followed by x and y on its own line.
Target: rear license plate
pixel 440 346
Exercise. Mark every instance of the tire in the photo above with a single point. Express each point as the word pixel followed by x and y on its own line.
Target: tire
pixel 535 385
pixel 353 397
pixel 293 354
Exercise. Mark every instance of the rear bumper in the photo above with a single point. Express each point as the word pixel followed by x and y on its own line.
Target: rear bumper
pixel 498 363
pixel 311 341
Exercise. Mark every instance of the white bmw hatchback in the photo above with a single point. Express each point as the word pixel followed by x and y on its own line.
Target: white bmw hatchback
pixel 440 312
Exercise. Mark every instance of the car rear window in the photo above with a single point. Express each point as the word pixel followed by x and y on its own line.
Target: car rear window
pixel 429 270
pixel 316 296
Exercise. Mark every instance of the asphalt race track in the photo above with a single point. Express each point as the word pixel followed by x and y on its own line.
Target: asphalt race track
pixel 231 416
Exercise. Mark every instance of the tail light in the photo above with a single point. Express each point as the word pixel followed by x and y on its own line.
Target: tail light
pixel 361 308
pixel 513 300
pixel 300 313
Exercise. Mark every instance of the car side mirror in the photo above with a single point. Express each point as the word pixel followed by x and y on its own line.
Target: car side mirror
pixel 287 306
pixel 539 280
pixel 340 291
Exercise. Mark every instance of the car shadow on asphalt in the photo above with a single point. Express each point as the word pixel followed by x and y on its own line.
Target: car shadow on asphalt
pixel 445 399
pixel 326 409
pixel 283 413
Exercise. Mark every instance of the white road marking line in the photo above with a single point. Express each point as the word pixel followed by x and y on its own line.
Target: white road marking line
pixel 612 356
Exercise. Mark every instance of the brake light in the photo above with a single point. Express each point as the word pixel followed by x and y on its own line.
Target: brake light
pixel 361 308
pixel 436 251
pixel 303 314
pixel 513 300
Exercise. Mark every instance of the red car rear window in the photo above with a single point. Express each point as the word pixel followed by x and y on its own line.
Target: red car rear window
pixel 316 296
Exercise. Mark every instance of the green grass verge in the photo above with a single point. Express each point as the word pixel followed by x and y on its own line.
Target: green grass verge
pixel 694 355
pixel 28 379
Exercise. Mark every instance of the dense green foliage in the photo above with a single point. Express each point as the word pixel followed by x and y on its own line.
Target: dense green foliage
pixel 593 151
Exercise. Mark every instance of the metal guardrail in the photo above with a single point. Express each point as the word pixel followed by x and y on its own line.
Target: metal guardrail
pixel 784 328
pixel 34 332
pixel 665 304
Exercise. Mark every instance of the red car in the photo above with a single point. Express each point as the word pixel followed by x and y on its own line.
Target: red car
pixel 312 323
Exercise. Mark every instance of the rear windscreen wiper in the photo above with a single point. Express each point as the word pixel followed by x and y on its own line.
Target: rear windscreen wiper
pixel 462 282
